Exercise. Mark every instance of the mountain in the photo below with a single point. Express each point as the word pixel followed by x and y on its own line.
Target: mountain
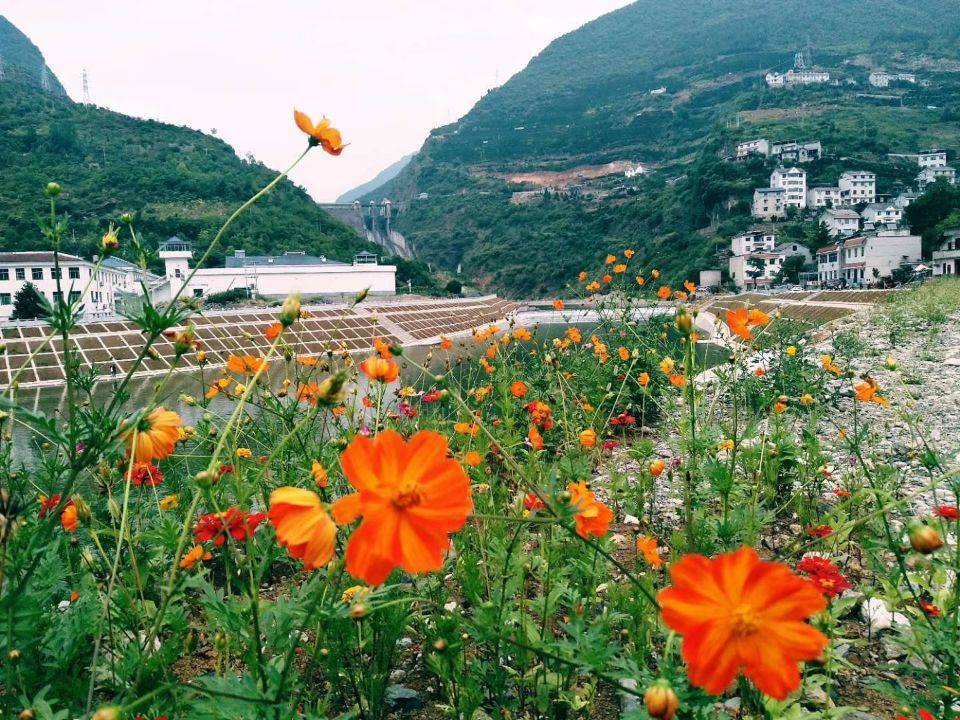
pixel 176 180
pixel 21 61
pixel 672 86
pixel 381 178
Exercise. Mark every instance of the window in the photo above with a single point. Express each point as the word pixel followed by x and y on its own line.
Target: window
pixel 176 273
pixel 74 296
pixel 56 273
pixel 198 292
pixel 21 273
pixel 57 296
pixel 4 298
pixel 4 274
pixel 74 273
pixel 36 273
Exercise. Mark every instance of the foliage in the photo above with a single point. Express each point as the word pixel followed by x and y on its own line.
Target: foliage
pixel 28 304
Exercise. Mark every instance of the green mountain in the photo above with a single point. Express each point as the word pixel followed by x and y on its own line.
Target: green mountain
pixel 380 179
pixel 21 61
pixel 177 181
pixel 673 86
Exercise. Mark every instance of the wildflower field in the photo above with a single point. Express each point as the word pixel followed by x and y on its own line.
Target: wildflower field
pixel 594 525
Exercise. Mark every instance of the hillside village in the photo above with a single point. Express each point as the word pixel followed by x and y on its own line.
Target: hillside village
pixel 870 245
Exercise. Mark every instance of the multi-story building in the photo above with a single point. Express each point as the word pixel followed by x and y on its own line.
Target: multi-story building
pixel 841 222
pixel 946 258
pixel 752 241
pixel 793 151
pixel 858 186
pixel 822 196
pixel 930 175
pixel 792 249
pixel 882 214
pixel 768 202
pixel 932 158
pixel 793 180
pixel 806 76
pixel 756 269
pixel 864 259
pixel 759 146
pixel 828 264
pixel 73 273
pixel 881 79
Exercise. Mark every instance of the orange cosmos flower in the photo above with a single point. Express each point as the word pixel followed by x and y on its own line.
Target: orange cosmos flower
pixel 664 293
pixel 607 279
pixel 691 287
pixel 756 316
pixel 518 388
pixel 827 362
pixel 582 276
pixel 245 364
pixel 628 254
pixel 867 392
pixel 319 474
pixel 641 280
pixel 592 287
pixel 574 335
pixel 644 379
pixel 619 269
pixel 610 260
pixel 472 458
pixel 647 546
pixel 445 342
pixel 382 348
pixel 667 365
pixel 411 497
pixel 380 369
pixel 593 517
pixel 219 386
pixel 623 354
pixel 779 406
pixel 193 556
pixel 741 320
pixel 463 428
pixel 535 438
pixel 68 517
pixel 738 613
pixel 273 332
pixel 320 134
pixel 678 380
pixel 302 525
pixel 588 438
pixel 307 360
pixel 654 274
pixel 558 305
pixel 680 295
pixel 156 437
pixel 657 467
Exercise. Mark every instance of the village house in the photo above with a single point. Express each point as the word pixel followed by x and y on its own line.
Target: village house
pixel 823 196
pixel 841 222
pixel 882 214
pixel 828 264
pixel 793 180
pixel 107 284
pixel 946 258
pixel 276 276
pixel 864 259
pixel 904 199
pixel 930 175
pixel 752 147
pixel 775 80
pixel 881 79
pixel 757 259
pixel 932 158
pixel 768 203
pixel 752 241
pixel 858 186
pixel 793 151
pixel 792 249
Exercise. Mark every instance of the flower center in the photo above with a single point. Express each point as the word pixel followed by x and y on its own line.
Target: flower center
pixel 408 493
pixel 744 621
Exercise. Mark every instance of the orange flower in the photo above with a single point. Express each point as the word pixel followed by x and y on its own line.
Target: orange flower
pixel 641 280
pixel 738 613
pixel 219 386
pixel 380 369
pixel 647 546
pixel 382 348
pixel 319 474
pixel 411 497
pixel 741 320
pixel 678 380
pixel 535 438
pixel 867 392
pixel 156 437
pixel 592 287
pixel 321 133
pixel 445 342
pixel 643 379
pixel 582 276
pixel 593 517
pixel 623 354
pixel 472 458
pixel 558 304
pixel 756 316
pixel 611 259
pixel 667 365
pixel 307 360
pixel 193 556
pixel 303 526
pixel 518 388
pixel 588 438
pixel 691 287
pixel 463 428
pixel 827 362
pixel 759 372
pixel 654 274
pixel 607 279
pixel 619 269
pixel 664 293
pixel 628 253
pixel 779 406
pixel 657 467
pixel 68 518
pixel 522 334
pixel 273 332
pixel 245 364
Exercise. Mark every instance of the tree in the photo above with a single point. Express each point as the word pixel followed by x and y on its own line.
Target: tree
pixel 754 269
pixel 454 287
pixel 28 304
pixel 791 268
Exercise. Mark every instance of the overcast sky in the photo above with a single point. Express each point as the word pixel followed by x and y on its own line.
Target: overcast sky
pixel 385 71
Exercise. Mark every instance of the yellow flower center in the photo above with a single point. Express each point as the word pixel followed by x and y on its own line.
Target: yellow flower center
pixel 408 494
pixel 744 621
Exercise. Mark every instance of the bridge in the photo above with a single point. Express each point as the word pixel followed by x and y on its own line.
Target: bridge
pixel 373 221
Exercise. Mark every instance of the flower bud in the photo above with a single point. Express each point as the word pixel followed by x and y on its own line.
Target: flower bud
pixel 114 507
pixel 126 218
pixel 83 510
pixel 290 310
pixel 440 645
pixel 206 478
pixel 27 714
pixel 923 538
pixel 201 358
pixel 684 322
pixel 661 701
pixel 111 712
pixel 331 390
pixel 890 363
pixel 110 243
pixel 358 611
pixel 13 655
pixel 185 340
pixel 52 189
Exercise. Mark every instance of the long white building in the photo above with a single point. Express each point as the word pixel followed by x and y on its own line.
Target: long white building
pixel 864 259
pixel 276 276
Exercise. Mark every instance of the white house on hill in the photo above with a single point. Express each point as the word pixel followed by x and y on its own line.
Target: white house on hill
pixel 946 258
pixel 858 186
pixel 882 214
pixel 930 175
pixel 793 180
pixel 841 222
pixel 823 196
pixel 932 158
pixel 768 202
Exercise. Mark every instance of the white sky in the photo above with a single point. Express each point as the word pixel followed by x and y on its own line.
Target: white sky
pixel 385 71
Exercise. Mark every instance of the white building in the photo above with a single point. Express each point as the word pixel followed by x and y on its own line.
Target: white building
pixel 823 196
pixel 932 158
pixel 882 214
pixel 946 258
pixel 793 151
pixel 755 269
pixel 634 171
pixel 930 175
pixel 841 222
pixel 881 79
pixel 828 264
pixel 768 202
pixel 775 79
pixel 760 146
pixel 904 199
pixel 792 249
pixel 752 241
pixel 864 259
pixel 277 276
pixel 19 268
pixel 804 76
pixel 793 180
pixel 858 186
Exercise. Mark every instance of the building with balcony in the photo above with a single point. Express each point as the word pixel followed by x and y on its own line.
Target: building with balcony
pixel 858 186
pixel 793 181
pixel 930 175
pixel 946 258
pixel 823 196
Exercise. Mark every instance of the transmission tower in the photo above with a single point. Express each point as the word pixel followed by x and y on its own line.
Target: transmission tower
pixel 86 88
pixel 798 60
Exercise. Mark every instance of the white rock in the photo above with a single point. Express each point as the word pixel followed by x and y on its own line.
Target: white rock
pixel 631 521
pixel 450 606
pixel 879 617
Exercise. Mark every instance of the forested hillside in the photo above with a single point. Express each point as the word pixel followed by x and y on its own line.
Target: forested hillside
pixel 673 86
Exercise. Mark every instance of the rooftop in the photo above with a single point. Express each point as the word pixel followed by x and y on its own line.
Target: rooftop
pixel 37 256
pixel 848 214
pixel 239 259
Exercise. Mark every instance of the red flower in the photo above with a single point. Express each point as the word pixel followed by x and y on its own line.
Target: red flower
pixel 532 503
pixel 947 512
pixel 237 523
pixel 841 492
pixel 144 473
pixel 820 531
pixel 824 575
pixel 929 608
pixel 610 444
pixel 226 469
pixel 540 414
pixel 432 396
pixel 47 504
pixel 623 419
